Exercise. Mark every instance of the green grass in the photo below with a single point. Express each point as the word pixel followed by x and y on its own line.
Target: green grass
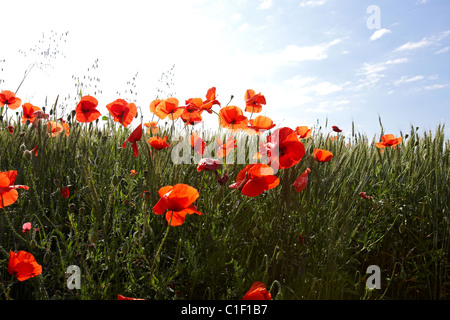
pixel 404 228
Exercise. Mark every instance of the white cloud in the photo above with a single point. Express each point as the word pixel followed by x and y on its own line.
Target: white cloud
pixel 443 50
pixel 414 45
pixel 312 3
pixel 293 53
pixel 406 79
pixel 421 1
pixel 265 4
pixel 436 86
pixel 379 33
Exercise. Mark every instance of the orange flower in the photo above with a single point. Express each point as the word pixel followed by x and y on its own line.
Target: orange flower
pixel 224 149
pixel 86 109
pixel 210 100
pixel 9 99
pixel 192 114
pixel 152 128
pixel 8 192
pixel 54 128
pixel 29 112
pixel 301 182
pixel 158 143
pixel 254 179
pixel 303 132
pixel 232 118
pixel 283 148
pixel 176 201
pixel 135 136
pixel 253 102
pixel 168 107
pixel 122 111
pixel 260 123
pixel 197 143
pixel 389 140
pixel 23 265
pixel 120 297
pixel 322 155
pixel 258 291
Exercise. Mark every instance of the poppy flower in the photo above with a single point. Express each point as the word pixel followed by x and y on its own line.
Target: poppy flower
pixel 301 182
pixel 197 143
pixel 152 127
pixel 258 291
pixel 135 136
pixel 26 227
pixel 122 111
pixel 322 155
pixel 303 132
pixel 8 192
pixel 34 151
pixel 224 149
pixel 176 201
pixel 364 195
pixel 192 114
pixel 208 164
pixel 232 117
pixel 158 143
pixel 65 192
pixel 336 129
pixel 54 128
pixel 283 148
pixel 86 109
pixel 23 265
pixel 168 108
pixel 9 99
pixel 254 102
pixel 210 100
pixel 260 123
pixel 38 115
pixel 389 140
pixel 10 129
pixel 254 179
pixel 28 112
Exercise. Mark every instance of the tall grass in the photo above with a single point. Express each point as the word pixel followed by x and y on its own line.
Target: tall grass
pixel 316 244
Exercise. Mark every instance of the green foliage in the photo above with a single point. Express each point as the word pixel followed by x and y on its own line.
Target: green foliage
pixel 316 244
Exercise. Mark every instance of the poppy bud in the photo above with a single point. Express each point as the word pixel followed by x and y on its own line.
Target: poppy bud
pixel 27 155
pixel 22 147
pixel 47 257
pixel 93 236
pixel 56 182
pixel 124 248
pixel 256 232
pixel 72 207
pixel 279 256
pixel 33 243
pixel 82 210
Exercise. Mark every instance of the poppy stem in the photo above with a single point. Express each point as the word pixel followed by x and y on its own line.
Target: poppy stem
pixel 158 252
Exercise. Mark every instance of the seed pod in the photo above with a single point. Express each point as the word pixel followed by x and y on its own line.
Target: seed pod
pixel 33 243
pixel 256 232
pixel 27 155
pixel 279 256
pixel 47 257
pixel 93 236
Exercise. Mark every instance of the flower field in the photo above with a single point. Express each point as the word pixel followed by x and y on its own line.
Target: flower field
pixel 160 209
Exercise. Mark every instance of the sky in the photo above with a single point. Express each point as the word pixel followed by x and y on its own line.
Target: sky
pixel 315 61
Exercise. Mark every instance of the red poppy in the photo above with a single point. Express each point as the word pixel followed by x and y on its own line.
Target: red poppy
pixel 336 129
pixel 176 201
pixel 232 117
pixel 283 148
pixel 254 179
pixel 364 195
pixel 28 112
pixel 224 149
pixel 208 164
pixel 120 297
pixel 197 143
pixel 303 132
pixel 322 155
pixel 10 129
pixel 258 291
pixel 8 192
pixel 389 140
pixel 135 136
pixel 152 127
pixel 260 123
pixel 254 102
pixel 210 100
pixel 168 108
pixel 9 99
pixel 122 111
pixel 158 143
pixel 301 182
pixel 38 115
pixel 23 265
pixel 65 192
pixel 34 151
pixel 86 109
pixel 192 114
pixel 54 128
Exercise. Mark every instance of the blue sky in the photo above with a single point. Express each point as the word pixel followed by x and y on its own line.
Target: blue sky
pixel 312 59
